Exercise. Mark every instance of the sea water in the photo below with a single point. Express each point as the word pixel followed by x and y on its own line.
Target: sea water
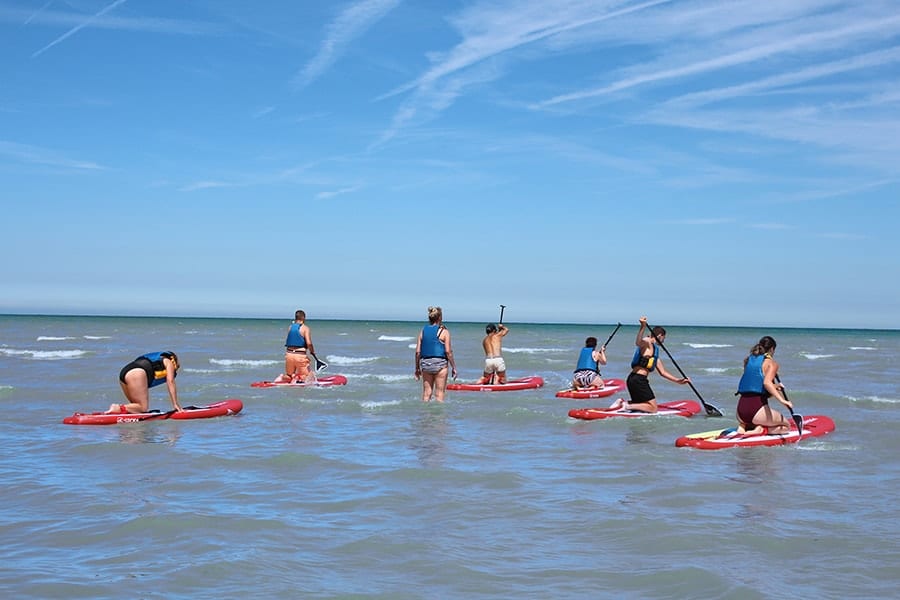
pixel 364 491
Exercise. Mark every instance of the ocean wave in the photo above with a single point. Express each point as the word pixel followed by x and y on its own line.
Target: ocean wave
pixel 43 354
pixel 696 345
pixel 345 361
pixel 816 356
pixel 54 338
pixel 370 404
pixel 717 369
pixel 98 337
pixel 241 362
pixel 863 348
pixel 395 338
pixel 879 399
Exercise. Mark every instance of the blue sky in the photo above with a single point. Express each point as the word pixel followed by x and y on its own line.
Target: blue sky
pixel 700 162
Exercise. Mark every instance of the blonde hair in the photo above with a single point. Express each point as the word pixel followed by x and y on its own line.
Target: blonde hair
pixel 435 314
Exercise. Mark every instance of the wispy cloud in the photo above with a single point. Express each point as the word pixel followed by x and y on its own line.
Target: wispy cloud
pixel 204 185
pixel 353 21
pixel 79 27
pixel 333 193
pixel 702 222
pixel 43 156
pixel 32 16
pixel 816 40
pixel 489 31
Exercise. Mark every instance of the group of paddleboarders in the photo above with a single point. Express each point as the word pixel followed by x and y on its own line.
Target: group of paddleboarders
pixel 434 362
pixel 758 382
pixel 645 360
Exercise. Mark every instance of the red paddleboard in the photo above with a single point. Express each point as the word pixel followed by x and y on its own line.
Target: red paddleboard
pixel 319 382
pixel 677 408
pixel 525 383
pixel 610 387
pixel 231 406
pixel 813 426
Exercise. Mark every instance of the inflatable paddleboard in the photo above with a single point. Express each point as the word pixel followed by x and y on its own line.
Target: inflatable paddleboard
pixel 813 426
pixel 228 407
pixel 610 387
pixel 676 408
pixel 319 382
pixel 524 383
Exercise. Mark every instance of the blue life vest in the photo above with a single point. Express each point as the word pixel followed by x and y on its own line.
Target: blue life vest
pixel 432 347
pixel 159 367
pixel 294 338
pixel 586 360
pixel 752 380
pixel 646 362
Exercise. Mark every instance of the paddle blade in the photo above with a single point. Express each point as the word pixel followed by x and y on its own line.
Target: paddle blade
pixel 320 364
pixel 712 411
pixel 799 421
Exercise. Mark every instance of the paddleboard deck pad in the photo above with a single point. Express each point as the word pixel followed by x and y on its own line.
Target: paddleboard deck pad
pixel 676 408
pixel 228 407
pixel 813 426
pixel 610 387
pixel 524 383
pixel 328 381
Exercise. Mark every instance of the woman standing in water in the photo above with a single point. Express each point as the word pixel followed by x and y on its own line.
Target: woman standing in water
pixel 433 355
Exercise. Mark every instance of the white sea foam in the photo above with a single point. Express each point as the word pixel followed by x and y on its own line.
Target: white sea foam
pixel 98 337
pixel 716 369
pixel 816 356
pixel 350 360
pixel 863 348
pixel 395 338
pixel 695 345
pixel 53 338
pixel 241 362
pixel 392 378
pixel 369 404
pixel 878 399
pixel 43 354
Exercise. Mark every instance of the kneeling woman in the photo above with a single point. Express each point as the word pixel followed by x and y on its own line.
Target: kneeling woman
pixel 143 373
pixel 757 385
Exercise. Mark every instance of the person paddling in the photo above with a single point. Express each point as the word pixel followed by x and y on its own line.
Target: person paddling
pixel 757 385
pixel 645 361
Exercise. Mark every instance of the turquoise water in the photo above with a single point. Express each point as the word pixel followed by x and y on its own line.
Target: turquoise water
pixel 363 491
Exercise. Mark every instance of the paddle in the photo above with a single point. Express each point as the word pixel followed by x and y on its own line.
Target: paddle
pixel 162 415
pixel 711 410
pixel 609 339
pixel 500 322
pixel 798 419
pixel 320 364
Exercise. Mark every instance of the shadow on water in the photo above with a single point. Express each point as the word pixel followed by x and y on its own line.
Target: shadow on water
pixel 148 435
pixel 430 428
pixel 754 465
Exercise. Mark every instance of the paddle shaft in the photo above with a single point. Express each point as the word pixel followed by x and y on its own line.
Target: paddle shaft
pixel 798 419
pixel 710 409
pixel 609 339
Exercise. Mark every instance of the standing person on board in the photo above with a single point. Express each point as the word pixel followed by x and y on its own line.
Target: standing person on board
pixel 147 371
pixel 757 385
pixel 645 361
pixel 587 370
pixel 297 347
pixel 433 355
pixel 494 364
